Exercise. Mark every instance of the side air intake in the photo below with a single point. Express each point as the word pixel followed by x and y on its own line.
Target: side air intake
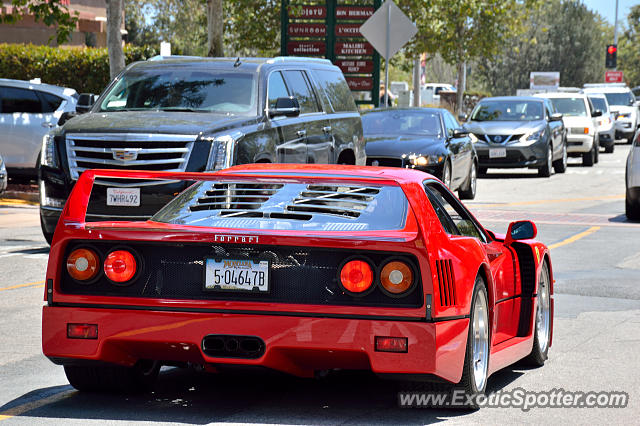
pixel 447 280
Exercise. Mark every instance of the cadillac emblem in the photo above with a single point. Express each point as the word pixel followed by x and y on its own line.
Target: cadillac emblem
pixel 125 154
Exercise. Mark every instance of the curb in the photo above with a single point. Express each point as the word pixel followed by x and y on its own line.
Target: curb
pixel 21 197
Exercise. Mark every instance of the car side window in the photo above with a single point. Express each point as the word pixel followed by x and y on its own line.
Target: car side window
pixel 276 88
pixel 450 123
pixel 454 218
pixel 336 89
pixel 302 91
pixel 51 102
pixel 19 100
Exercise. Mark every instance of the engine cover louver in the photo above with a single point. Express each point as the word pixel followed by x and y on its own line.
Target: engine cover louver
pixel 446 279
pixel 338 200
pixel 236 199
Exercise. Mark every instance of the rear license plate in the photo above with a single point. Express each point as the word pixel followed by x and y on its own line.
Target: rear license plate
pixel 497 152
pixel 237 275
pixel 129 197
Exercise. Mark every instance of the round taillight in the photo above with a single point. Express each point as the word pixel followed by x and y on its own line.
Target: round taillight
pixel 396 277
pixel 82 264
pixel 356 276
pixel 120 266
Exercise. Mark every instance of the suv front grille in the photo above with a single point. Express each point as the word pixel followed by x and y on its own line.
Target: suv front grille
pixel 128 151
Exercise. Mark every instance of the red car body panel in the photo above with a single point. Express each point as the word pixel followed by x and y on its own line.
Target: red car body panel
pixel 299 338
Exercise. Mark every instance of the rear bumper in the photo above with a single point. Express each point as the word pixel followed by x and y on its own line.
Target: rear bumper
pixel 293 344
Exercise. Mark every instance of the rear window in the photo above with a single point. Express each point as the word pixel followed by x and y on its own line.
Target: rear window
pixel 13 99
pixel 288 206
pixel 336 89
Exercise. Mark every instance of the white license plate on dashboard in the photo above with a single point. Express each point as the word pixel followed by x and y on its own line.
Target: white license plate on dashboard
pixel 129 197
pixel 497 152
pixel 237 275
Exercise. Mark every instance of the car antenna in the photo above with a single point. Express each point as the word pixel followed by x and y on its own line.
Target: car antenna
pixel 237 63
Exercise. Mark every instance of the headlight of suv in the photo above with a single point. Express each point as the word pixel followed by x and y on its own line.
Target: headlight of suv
pixel 534 136
pixel 222 151
pixel 627 115
pixel 48 155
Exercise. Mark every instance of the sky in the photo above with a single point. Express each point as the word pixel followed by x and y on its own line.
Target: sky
pixel 607 8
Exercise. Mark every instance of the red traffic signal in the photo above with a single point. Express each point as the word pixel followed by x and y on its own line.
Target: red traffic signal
pixel 611 57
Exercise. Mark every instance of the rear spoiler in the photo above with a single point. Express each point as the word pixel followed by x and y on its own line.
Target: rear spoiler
pixel 75 209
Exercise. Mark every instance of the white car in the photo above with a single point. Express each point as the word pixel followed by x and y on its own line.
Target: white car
pixel 632 180
pixel 577 116
pixel 622 103
pixel 28 110
pixel 430 92
pixel 3 176
pixel 605 124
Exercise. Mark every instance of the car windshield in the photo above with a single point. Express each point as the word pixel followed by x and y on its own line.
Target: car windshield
pixel 508 111
pixel 625 98
pixel 402 122
pixel 183 89
pixel 599 103
pixel 570 107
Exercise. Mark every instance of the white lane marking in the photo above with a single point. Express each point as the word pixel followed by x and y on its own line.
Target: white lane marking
pixel 631 262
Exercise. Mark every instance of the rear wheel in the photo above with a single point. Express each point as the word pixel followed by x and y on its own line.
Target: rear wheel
pixel 469 190
pixel 446 174
pixel 116 379
pixel 560 165
pixel 545 171
pixel 47 235
pixel 588 158
pixel 610 148
pixel 631 209
pixel 597 152
pixel 542 332
pixel 476 360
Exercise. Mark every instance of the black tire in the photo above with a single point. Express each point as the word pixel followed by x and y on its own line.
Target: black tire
pixel 588 158
pixel 113 379
pixel 545 171
pixel 47 235
pixel 610 148
pixel 560 165
pixel 631 209
pixel 597 152
pixel 630 140
pixel 469 190
pixel 482 171
pixel 468 382
pixel 446 174
pixel 540 351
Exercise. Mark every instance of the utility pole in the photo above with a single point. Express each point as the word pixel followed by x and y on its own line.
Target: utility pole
pixel 416 81
pixel 615 27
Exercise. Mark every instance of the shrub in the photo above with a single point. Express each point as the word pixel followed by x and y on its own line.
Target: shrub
pixel 84 69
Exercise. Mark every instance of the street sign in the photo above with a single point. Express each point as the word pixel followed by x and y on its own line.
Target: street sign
pixel 613 77
pixel 355 67
pixel 306 48
pixel 388 29
pixel 307 30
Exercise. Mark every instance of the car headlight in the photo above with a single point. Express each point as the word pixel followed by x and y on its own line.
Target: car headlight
pixel 48 155
pixel 473 138
pixel 627 115
pixel 533 136
pixel 425 160
pixel 222 151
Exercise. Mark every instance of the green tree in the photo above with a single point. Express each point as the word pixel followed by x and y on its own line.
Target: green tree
pixel 629 48
pixel 52 13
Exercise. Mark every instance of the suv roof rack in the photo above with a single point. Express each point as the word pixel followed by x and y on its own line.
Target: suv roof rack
pixel 587 85
pixel 161 58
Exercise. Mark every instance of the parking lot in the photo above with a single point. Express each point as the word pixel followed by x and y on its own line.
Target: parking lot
pixel 596 260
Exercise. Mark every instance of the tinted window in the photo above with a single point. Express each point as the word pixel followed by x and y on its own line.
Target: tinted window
pixel 183 88
pixel 301 90
pixel 508 111
pixel 571 107
pixel 625 98
pixel 450 122
pixel 19 100
pixel 397 122
pixel 50 102
pixel 277 89
pixel 599 103
pixel 454 219
pixel 336 89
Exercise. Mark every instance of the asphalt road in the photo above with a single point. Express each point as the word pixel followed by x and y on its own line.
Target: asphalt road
pixel 596 259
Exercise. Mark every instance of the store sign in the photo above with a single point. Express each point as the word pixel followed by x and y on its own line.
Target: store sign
pixel 354 48
pixel 307 30
pixel 348 30
pixel 360 84
pixel 355 66
pixel 306 48
pixel 308 12
pixel 349 12
pixel 613 77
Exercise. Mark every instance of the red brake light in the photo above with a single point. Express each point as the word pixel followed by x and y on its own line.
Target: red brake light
pixel 120 266
pixel 82 264
pixel 396 277
pixel 391 344
pixel 356 276
pixel 82 331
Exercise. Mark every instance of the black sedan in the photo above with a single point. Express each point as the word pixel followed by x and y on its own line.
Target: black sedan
pixel 428 139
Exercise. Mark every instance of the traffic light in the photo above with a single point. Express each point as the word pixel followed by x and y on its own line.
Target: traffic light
pixel 612 51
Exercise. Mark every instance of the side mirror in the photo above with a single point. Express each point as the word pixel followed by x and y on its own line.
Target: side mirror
pixel 596 113
pixel 521 230
pixel 556 117
pixel 288 107
pixel 66 116
pixel 85 102
pixel 459 133
pixel 462 116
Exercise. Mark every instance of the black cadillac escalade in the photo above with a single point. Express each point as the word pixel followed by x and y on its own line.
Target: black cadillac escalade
pixel 198 114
